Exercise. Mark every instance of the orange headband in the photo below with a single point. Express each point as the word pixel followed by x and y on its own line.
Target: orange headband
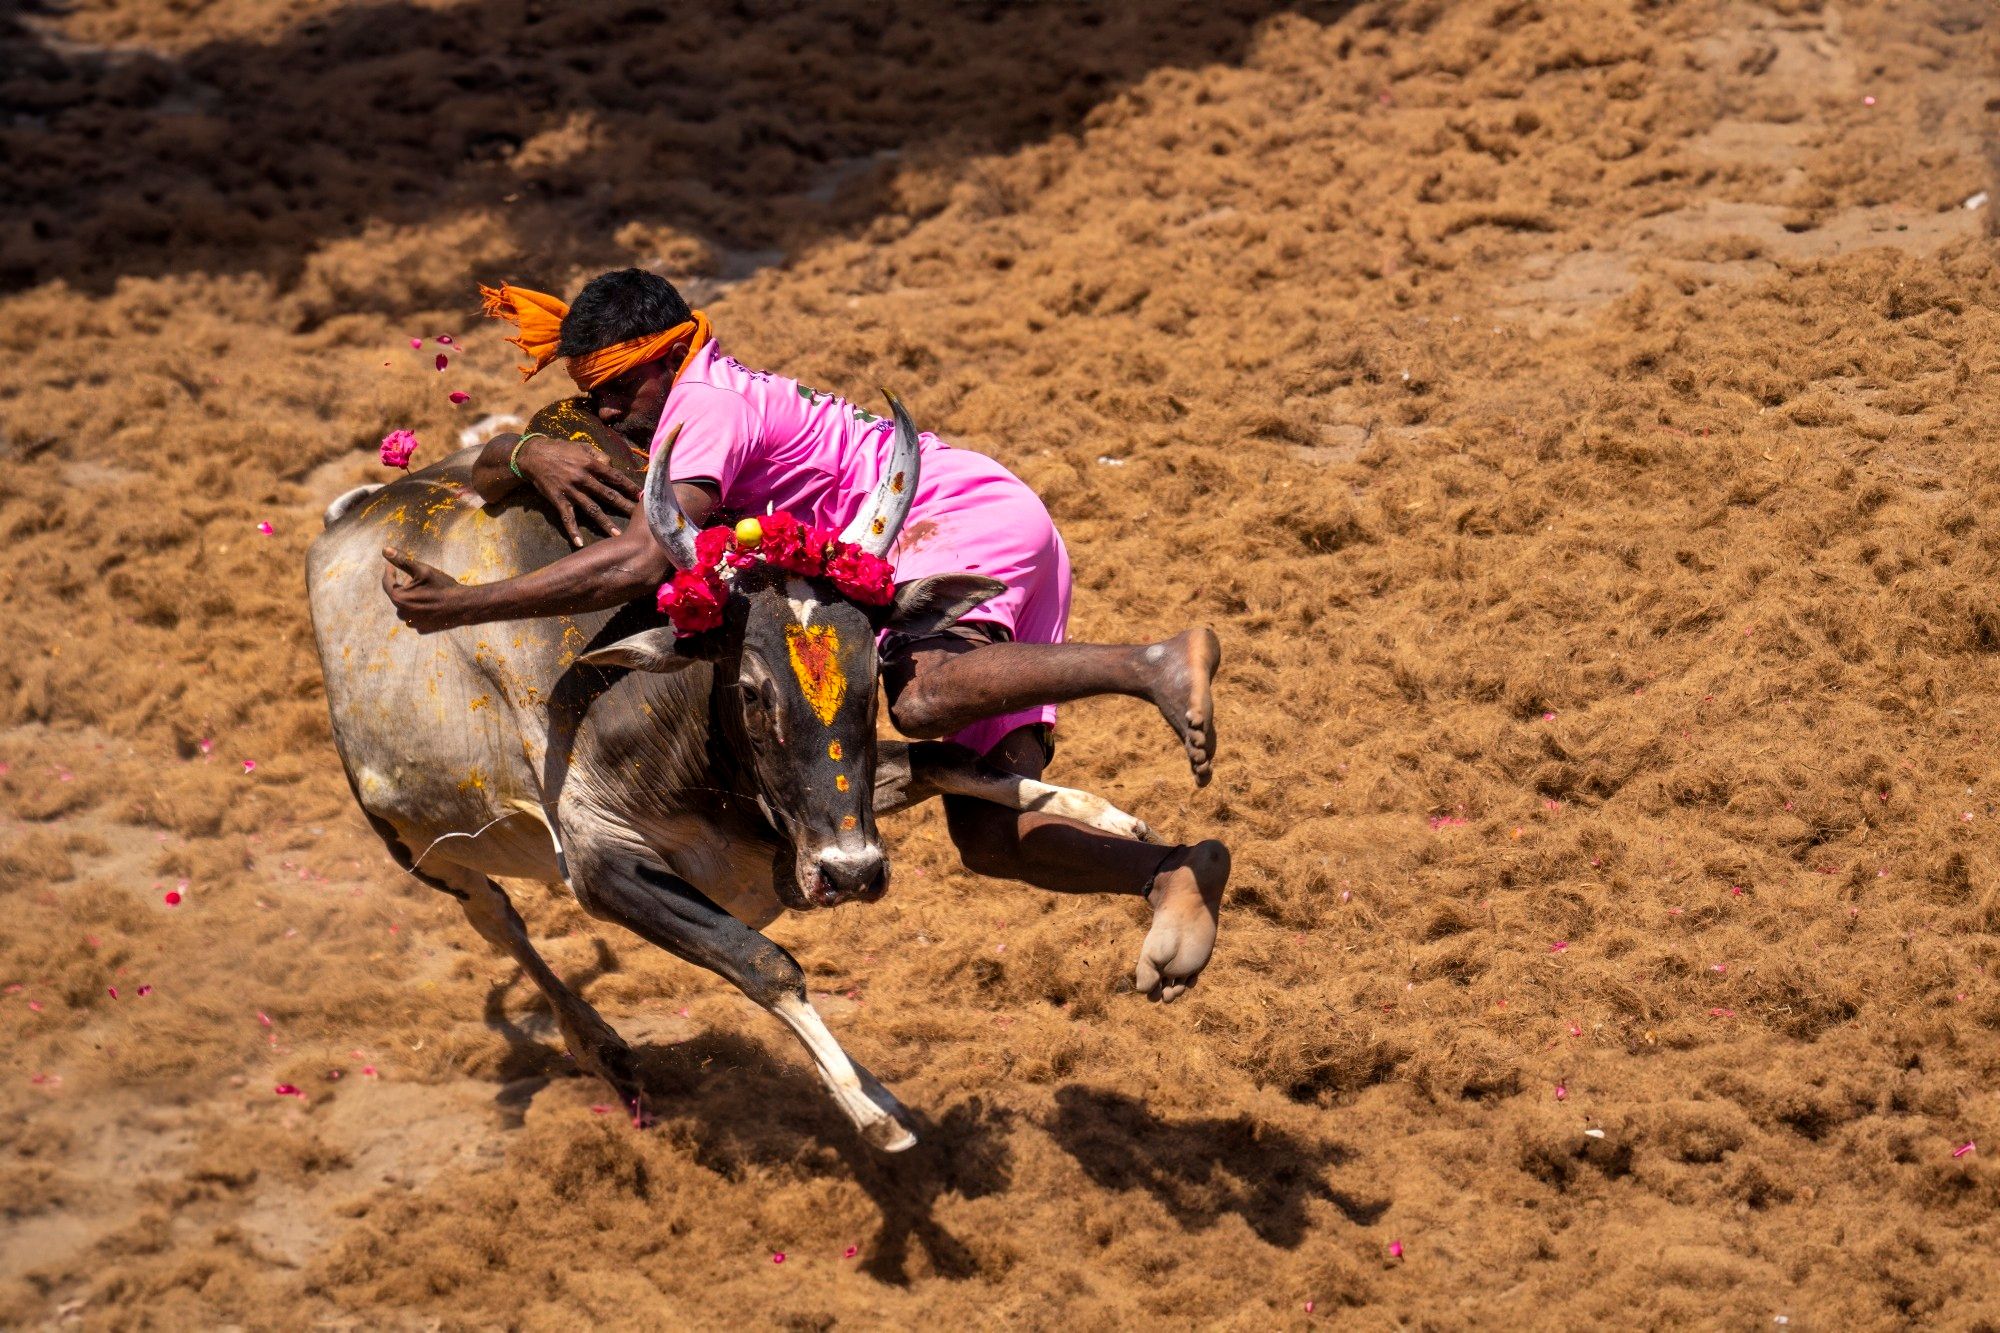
pixel 539 317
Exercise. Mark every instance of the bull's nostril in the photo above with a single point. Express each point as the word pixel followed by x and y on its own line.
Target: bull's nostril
pixel 852 875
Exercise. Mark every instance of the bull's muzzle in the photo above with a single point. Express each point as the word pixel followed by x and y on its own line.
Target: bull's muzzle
pixel 844 874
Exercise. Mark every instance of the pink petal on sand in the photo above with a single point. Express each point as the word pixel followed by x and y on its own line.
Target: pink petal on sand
pixel 1968 1146
pixel 1562 1093
pixel 113 990
pixel 266 529
pixel 1868 101
pixel 145 990
pixel 442 361
pixel 1395 1249
pixel 263 1018
pixel 1548 717
pixel 416 344
pixel 173 899
pixel 778 1257
pixel 368 1071
pixel 249 765
pixel 444 338
pixel 1309 1307
pixel 204 745
pixel 35 1005
pixel 287 1090
pixel 1560 946
pixel 458 395
pixel 850 1252
pixel 1575 1031
pixel 600 1108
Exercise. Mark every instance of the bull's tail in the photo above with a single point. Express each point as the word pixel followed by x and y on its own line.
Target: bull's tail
pixel 338 509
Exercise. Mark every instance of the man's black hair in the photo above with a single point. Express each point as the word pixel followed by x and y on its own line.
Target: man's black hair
pixel 618 306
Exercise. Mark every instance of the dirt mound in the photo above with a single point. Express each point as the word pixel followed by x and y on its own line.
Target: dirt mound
pixel 1577 419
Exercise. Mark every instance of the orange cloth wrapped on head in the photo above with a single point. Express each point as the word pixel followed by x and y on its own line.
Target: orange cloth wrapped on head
pixel 539 317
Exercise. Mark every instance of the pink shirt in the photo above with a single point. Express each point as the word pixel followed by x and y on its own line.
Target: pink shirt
pixel 768 442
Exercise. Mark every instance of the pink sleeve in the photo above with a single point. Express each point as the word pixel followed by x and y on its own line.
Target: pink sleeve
pixel 718 431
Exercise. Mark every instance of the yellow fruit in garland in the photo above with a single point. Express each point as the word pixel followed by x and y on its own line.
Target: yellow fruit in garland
pixel 749 532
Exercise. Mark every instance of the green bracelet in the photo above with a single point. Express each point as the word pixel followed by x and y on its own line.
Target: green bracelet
pixel 512 465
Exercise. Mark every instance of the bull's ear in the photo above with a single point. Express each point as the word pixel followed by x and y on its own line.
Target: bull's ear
pixel 925 606
pixel 648 650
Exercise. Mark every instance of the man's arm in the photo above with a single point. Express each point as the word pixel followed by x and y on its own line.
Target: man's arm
pixel 573 475
pixel 597 578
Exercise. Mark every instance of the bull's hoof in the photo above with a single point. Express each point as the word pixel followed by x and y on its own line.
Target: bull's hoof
pixel 890 1135
pixel 876 1113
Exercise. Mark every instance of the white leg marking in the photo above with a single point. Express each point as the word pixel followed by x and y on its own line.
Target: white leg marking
pixel 866 1102
pixel 1018 793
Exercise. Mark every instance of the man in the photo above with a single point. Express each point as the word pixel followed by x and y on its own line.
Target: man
pixel 750 440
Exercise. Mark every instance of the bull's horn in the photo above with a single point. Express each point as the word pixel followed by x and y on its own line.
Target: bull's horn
pixel 874 529
pixel 663 507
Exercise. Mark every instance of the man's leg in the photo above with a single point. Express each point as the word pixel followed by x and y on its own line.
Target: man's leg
pixel 1183 884
pixel 951 684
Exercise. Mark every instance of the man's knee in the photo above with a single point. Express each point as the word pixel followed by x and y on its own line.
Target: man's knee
pixel 918 713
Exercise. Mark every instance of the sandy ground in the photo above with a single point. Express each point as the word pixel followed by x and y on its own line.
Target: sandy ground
pixel 1578 419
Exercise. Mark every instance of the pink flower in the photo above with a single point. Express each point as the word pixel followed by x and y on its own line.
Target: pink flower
pixel 458 395
pixel 693 600
pixel 398 446
pixel 266 529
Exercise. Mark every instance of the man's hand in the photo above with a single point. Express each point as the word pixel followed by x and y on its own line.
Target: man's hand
pixel 432 600
pixel 577 480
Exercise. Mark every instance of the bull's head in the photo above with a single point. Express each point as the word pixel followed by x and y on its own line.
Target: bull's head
pixel 796 676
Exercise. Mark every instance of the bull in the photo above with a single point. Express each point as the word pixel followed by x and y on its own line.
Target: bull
pixel 688 789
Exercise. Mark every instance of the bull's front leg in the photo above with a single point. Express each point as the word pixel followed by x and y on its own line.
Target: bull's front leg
pixel 908 774
pixel 667 911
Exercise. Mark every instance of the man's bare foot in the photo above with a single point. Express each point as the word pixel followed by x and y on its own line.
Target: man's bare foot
pixel 1186 896
pixel 1183 669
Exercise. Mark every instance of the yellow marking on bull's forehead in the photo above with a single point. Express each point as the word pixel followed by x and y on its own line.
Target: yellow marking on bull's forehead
pixel 878 525
pixel 848 821
pixel 815 654
pixel 840 782
pixel 833 750
pixel 896 484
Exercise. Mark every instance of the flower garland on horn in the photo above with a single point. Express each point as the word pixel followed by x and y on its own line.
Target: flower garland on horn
pixel 693 599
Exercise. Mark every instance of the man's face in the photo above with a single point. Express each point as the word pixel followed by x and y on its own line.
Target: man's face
pixel 631 404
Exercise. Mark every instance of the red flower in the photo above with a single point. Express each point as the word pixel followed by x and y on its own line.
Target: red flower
pixel 709 545
pixel 693 601
pixel 863 577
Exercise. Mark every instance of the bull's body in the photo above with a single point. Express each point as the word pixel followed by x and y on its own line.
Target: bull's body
pixel 446 736
pixel 493 751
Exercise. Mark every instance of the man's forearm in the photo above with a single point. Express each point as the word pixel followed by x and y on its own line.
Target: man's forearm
pixel 597 578
pixel 492 478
